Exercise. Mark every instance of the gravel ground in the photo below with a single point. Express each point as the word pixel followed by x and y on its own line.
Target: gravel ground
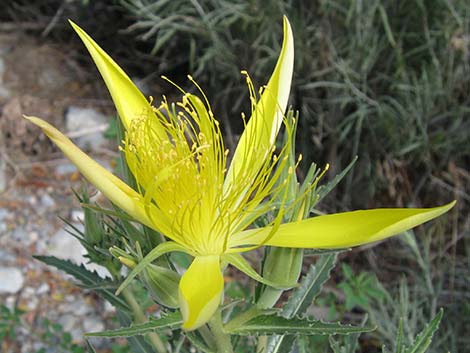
pixel 36 184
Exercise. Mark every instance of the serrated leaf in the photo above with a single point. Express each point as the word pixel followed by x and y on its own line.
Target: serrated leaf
pixel 424 338
pixel 310 286
pixel 168 322
pixel 350 342
pixel 274 324
pixel 137 344
pixel 86 277
pixel 301 298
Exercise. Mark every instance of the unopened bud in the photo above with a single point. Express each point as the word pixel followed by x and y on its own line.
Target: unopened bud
pixel 127 262
pixel 163 285
pixel 283 265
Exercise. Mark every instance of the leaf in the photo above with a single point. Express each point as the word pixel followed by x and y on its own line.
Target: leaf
pixel 168 322
pixel 90 347
pixel 198 342
pixel 137 344
pixel 310 286
pixel 350 342
pixel 423 340
pixel 301 298
pixel 325 189
pixel 86 277
pixel 274 324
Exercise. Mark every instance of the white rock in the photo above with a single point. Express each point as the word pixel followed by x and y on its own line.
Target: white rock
pixel 92 324
pixel 47 201
pixel 77 216
pixel 65 246
pixel 68 321
pixel 43 289
pixel 65 168
pixel 86 126
pixel 11 280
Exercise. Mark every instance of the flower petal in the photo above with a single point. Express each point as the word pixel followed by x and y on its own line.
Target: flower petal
pixel 200 291
pixel 341 229
pixel 129 101
pixel 114 188
pixel 262 128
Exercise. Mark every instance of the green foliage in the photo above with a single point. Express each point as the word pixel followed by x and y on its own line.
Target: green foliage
pixel 359 289
pixel 50 335
pixel 9 322
pixel 381 80
pixel 275 324
pixel 417 298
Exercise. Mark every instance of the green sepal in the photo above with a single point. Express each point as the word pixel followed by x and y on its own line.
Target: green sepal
pixel 275 324
pixel 170 321
pixel 240 263
pixel 283 266
pixel 158 251
pixel 163 285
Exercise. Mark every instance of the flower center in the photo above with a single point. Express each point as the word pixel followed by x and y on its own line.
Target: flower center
pixel 181 176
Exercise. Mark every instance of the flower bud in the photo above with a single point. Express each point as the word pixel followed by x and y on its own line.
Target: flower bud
pixel 283 265
pixel 162 284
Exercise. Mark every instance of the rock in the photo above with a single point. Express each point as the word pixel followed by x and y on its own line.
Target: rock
pixel 47 201
pixel 30 298
pixel 20 136
pixel 43 289
pixel 65 168
pixel 11 280
pixel 86 127
pixel 68 321
pixel 93 324
pixel 65 246
pixel 77 215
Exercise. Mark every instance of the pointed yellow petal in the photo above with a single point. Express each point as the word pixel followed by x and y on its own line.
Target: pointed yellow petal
pixel 200 291
pixel 342 229
pixel 262 128
pixel 114 188
pixel 129 101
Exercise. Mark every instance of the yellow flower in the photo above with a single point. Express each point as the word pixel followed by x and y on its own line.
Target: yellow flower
pixel 185 191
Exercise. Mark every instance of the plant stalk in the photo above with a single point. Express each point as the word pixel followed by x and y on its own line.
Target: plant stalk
pixel 140 318
pixel 222 340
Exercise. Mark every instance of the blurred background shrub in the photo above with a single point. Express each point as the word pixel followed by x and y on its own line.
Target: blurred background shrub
pixel 387 81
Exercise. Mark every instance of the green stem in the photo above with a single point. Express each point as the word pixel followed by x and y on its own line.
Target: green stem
pixel 140 318
pixel 207 336
pixel 267 300
pixel 222 340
